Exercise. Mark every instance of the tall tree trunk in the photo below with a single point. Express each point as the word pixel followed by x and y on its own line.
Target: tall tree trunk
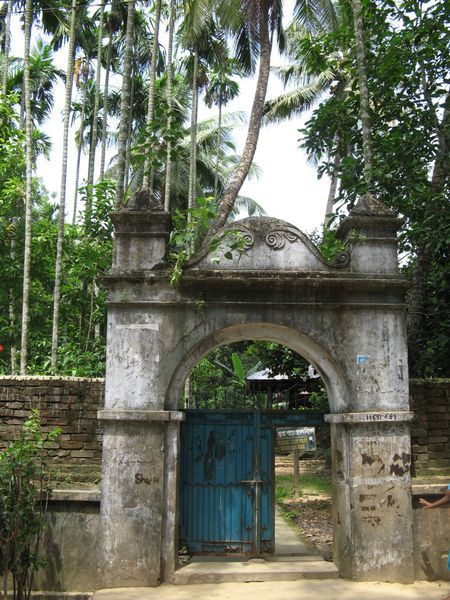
pixel 124 106
pixel 332 192
pixel 105 104
pixel 12 307
pixel 219 139
pixel 172 14
pixel 6 43
pixel 28 191
pixel 91 165
pixel 364 105
pixel 129 132
pixel 80 145
pixel 229 196
pixel 193 149
pixel 151 89
pixel 62 196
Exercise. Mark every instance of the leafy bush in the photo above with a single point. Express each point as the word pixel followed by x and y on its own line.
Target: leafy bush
pixel 24 493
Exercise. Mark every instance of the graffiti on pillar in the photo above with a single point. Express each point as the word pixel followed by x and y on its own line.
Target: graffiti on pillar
pixel 401 464
pixel 139 478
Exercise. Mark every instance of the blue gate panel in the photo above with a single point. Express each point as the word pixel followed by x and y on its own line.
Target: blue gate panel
pixel 216 513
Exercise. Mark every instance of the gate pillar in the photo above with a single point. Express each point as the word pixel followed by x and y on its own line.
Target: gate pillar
pixel 372 512
pixel 134 422
pixel 372 516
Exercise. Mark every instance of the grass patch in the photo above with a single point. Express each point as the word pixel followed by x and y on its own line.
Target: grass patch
pixel 311 485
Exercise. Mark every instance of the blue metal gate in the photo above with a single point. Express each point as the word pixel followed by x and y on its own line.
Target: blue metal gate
pixel 226 480
pixel 226 483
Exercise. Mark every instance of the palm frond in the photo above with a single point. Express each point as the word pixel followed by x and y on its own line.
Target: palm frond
pixel 296 101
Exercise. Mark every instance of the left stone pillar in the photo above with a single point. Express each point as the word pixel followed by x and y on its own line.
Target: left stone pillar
pixel 134 422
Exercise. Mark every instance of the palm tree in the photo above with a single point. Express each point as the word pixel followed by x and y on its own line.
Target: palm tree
pixel 81 81
pixel 62 197
pixel 6 43
pixel 94 137
pixel 43 77
pixel 364 93
pixel 307 85
pixel 28 191
pixel 147 183
pixel 172 16
pixel 259 19
pixel 258 22
pixel 220 90
pixel 114 20
pixel 125 105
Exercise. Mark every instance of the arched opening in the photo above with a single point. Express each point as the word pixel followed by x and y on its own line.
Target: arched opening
pixel 233 460
pixel 299 342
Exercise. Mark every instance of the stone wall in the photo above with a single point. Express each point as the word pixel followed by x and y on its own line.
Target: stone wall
pixel 70 403
pixel 430 431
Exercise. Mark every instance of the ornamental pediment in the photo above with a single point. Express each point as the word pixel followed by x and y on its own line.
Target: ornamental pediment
pixel 264 243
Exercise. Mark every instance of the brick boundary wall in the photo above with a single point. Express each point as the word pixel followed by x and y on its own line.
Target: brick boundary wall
pixel 430 431
pixel 71 403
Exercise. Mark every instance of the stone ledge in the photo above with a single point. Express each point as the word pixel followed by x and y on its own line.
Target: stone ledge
pixel 140 415
pixel 398 416
pixel 428 489
pixel 76 495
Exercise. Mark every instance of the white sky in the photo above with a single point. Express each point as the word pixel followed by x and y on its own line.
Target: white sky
pixel 288 187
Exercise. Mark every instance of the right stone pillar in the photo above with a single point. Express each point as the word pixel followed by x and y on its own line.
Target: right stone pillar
pixel 372 515
pixel 372 511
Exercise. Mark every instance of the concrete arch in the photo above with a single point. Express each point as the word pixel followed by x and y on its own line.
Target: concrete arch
pixel 347 317
pixel 333 378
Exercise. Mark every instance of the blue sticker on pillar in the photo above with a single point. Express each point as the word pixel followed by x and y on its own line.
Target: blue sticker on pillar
pixel 361 359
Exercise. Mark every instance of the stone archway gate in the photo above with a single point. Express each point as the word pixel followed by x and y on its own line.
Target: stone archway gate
pixel 347 318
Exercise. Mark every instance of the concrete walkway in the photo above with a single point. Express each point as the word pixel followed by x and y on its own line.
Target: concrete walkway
pixel 293 560
pixel 334 589
pixel 289 548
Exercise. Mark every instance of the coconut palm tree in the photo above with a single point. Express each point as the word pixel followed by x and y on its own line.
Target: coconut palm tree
pixel 94 140
pixel 5 42
pixel 28 190
pixel 62 195
pixel 167 185
pixel 147 182
pixel 258 21
pixel 44 75
pixel 114 20
pixel 220 90
pixel 125 105
pixel 307 84
pixel 254 25
pixel 363 92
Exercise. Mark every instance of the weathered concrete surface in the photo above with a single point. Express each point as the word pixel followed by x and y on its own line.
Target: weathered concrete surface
pixel 131 510
pixel 371 476
pixel 347 319
pixel 254 570
pixel 431 535
pixel 71 543
pixel 333 589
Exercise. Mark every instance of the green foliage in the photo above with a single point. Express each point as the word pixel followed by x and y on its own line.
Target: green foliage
pixel 327 242
pixel 312 485
pixel 280 360
pixel 407 73
pixel 87 257
pixel 219 380
pixel 188 235
pixel 24 492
